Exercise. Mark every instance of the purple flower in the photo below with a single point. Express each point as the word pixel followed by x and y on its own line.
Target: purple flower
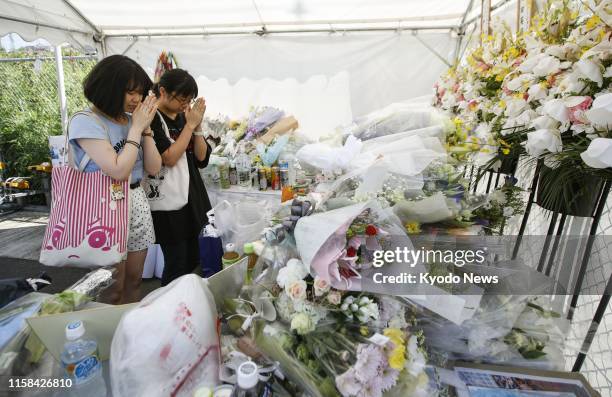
pixel 370 360
pixel 388 378
pixel 347 383
pixel 371 389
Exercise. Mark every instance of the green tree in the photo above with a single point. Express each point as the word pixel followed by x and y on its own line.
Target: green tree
pixel 29 106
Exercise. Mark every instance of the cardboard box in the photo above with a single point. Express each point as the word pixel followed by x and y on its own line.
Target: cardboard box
pixel 102 322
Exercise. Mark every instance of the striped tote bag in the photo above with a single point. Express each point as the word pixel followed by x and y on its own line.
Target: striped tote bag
pixel 88 223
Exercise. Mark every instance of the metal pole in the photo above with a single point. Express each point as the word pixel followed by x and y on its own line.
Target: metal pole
pixel 61 89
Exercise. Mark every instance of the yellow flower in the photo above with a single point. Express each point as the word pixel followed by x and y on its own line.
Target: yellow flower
pixel 502 104
pixel 397 360
pixel 413 227
pixel 363 330
pixel 592 22
pixel 506 151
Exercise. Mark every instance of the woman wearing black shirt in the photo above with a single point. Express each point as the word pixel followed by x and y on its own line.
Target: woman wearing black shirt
pixel 177 231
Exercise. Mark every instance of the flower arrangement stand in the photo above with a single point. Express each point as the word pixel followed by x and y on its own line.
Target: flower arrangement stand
pixel 595 216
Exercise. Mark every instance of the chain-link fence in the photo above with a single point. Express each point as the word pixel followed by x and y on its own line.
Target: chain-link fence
pixel 597 367
pixel 29 104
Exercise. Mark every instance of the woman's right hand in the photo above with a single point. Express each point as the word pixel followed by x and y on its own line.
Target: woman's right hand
pixel 195 114
pixel 144 113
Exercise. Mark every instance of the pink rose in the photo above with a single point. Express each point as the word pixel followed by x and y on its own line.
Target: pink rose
pixel 576 113
pixel 321 286
pixel 334 297
pixel 297 290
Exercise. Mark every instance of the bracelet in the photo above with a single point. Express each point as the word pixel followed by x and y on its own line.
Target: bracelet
pixel 198 133
pixel 147 134
pixel 133 143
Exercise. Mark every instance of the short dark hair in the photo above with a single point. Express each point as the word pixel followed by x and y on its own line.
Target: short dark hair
pixel 105 86
pixel 177 82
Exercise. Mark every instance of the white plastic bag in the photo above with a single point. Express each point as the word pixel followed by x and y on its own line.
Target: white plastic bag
pixel 168 344
pixel 327 158
pixel 240 222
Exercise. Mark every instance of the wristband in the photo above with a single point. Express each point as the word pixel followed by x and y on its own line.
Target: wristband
pixel 198 133
pixel 133 143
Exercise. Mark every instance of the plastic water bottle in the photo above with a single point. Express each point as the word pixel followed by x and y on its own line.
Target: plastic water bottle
pixel 81 362
pixel 243 167
pixel 247 381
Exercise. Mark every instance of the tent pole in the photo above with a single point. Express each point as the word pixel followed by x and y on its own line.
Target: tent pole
pixel 284 31
pixel 493 8
pixel 433 51
pixel 461 32
pixel 42 24
pixel 80 15
pixel 61 89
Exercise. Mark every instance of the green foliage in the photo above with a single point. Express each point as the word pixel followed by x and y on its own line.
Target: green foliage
pixel 29 106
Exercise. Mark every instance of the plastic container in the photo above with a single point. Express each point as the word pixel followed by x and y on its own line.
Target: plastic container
pixel 231 256
pixel 224 178
pixel 243 167
pixel 247 384
pixel 81 362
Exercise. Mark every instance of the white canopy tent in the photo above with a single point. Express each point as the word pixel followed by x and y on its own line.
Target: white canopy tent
pixel 326 61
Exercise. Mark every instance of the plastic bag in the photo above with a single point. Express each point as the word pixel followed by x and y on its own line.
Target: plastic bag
pixel 395 118
pixel 512 330
pixel 168 344
pixel 240 222
pixel 325 157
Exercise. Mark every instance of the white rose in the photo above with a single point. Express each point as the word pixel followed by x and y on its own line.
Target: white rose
pixel 600 113
pixel 547 65
pixel 599 153
pixel 540 141
pixel 556 109
pixel 321 286
pixel 302 324
pixel 334 297
pixel 590 70
pixel 296 290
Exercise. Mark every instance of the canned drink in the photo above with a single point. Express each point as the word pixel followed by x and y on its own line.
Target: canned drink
pixel 269 175
pixel 276 178
pixel 263 180
pixel 284 177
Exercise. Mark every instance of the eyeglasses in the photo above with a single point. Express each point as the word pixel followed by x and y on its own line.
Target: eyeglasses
pixel 184 101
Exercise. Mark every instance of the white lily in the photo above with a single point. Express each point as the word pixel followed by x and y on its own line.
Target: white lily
pixel 526 117
pixel 608 72
pixel 515 107
pixel 537 92
pixel 556 109
pixel 602 47
pixel 604 11
pixel 600 113
pixel 542 141
pixel 531 62
pixel 599 153
pixel 547 65
pixel 518 82
pixel 571 83
pixel 545 122
pixel 591 70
